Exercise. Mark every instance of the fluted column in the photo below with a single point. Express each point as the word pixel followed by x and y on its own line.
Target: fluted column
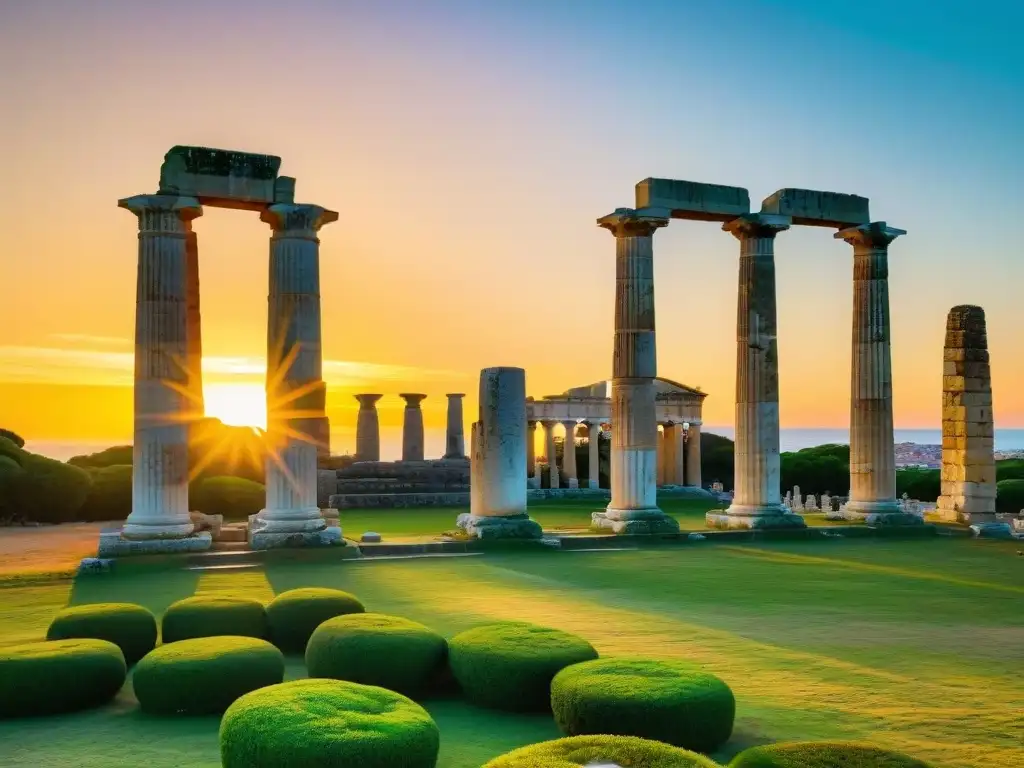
pixel 594 454
pixel 549 451
pixel 194 334
pixel 368 428
pixel 533 479
pixel 412 428
pixel 692 463
pixel 633 507
pixel 872 452
pixel 673 437
pixel 455 440
pixel 163 394
pixel 569 455
pixel 295 388
pixel 758 498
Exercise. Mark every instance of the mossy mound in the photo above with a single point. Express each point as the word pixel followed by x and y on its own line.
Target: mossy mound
pixel 374 649
pixel 54 676
pixel 130 627
pixel 599 750
pixel 202 676
pixel 293 615
pixel 668 701
pixel 212 616
pixel 823 754
pixel 321 723
pixel 509 665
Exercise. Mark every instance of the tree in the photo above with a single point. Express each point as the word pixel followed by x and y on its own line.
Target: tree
pixel 14 437
pixel 1010 496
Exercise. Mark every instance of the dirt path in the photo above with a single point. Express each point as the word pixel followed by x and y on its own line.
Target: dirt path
pixel 47 548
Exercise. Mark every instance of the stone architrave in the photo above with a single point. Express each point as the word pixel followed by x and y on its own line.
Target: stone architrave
pixel 569 454
pixel 757 500
pixel 633 507
pixel 692 464
pixel 692 199
pixel 163 394
pixel 455 440
pixel 593 454
pixel 809 207
pixel 872 451
pixel 533 479
pixel 412 427
pixel 225 178
pixel 968 431
pixel 368 428
pixel 295 388
pixel 498 488
pixel 549 453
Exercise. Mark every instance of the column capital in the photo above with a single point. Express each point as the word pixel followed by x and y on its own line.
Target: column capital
pixel 367 400
pixel 877 234
pixel 297 218
pixel 757 225
pixel 412 400
pixel 455 394
pixel 185 208
pixel 630 222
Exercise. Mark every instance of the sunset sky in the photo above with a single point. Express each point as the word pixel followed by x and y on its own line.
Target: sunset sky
pixel 469 148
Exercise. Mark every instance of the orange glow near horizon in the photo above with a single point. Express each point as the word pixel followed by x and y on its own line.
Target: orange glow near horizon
pixel 237 405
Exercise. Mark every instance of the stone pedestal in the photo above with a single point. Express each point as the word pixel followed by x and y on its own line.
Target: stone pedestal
pixel 549 451
pixel 594 454
pixel 367 428
pixel 164 398
pixel 757 502
pixel 455 441
pixel 412 427
pixel 569 455
pixel 633 507
pixel 691 468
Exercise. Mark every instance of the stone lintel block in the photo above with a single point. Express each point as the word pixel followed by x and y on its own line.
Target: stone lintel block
pixel 220 177
pixel 284 190
pixel 693 200
pixel 810 207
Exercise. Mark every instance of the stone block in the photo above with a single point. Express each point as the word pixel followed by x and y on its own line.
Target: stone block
pixel 220 177
pixel 284 190
pixel 724 521
pixel 325 537
pixel 818 209
pixel 992 530
pixel 499 526
pixel 651 524
pixel 112 544
pixel 204 522
pixel 980 429
pixel 399 500
pixel 326 485
pixel 370 537
pixel 93 565
pixel 953 383
pixel 693 200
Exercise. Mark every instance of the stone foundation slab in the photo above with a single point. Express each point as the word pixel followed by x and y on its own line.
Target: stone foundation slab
pixel 880 519
pixel 499 527
pixel 647 524
pixel 326 537
pixel 725 521
pixel 112 544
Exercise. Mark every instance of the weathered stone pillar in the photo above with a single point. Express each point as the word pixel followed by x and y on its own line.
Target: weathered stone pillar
pixel 533 481
pixel 368 428
pixel 549 451
pixel 455 441
pixel 758 497
pixel 692 463
pixel 498 507
pixel 475 464
pixel 674 452
pixel 660 454
pixel 569 454
pixel 633 507
pixel 295 388
pixel 162 384
pixel 412 428
pixel 193 317
pixel 968 435
pixel 872 452
pixel 594 455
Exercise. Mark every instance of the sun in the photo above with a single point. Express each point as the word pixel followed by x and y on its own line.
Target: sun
pixel 237 405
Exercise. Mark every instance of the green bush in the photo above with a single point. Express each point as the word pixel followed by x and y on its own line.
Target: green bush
pixel 130 627
pixel 668 701
pixel 54 676
pixel 293 615
pixel 509 665
pixel 233 497
pixel 818 469
pixel 388 651
pixel 314 723
pixel 920 484
pixel 110 497
pixel 14 437
pixel 1010 469
pixel 208 616
pixel 118 455
pixel 601 750
pixel 1010 496
pixel 46 491
pixel 717 459
pixel 822 754
pixel 203 676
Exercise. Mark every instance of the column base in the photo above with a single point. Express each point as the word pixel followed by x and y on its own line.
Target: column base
pixel 574 483
pixel 144 531
pixel 325 537
pixel 633 521
pixel 289 521
pixel 747 517
pixel 114 544
pixel 499 527
pixel 877 514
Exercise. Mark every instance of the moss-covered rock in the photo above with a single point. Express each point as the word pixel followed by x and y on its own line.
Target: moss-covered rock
pixel 823 754
pixel 597 750
pixel 369 648
pixel 668 701
pixel 209 616
pixel 204 675
pixel 293 615
pixel 509 665
pixel 53 676
pixel 130 627
pixel 321 723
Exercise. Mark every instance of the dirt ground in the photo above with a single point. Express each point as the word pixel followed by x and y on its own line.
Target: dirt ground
pixel 48 548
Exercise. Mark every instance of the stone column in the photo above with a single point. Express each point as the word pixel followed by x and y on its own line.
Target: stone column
pixel 498 507
pixel 533 481
pixel 633 507
pixel 549 451
pixel 692 463
pixel 455 441
pixel 594 455
pixel 368 428
pixel 968 461
pixel 163 402
pixel 193 319
pixel 758 497
pixel 475 481
pixel 872 452
pixel 660 454
pixel 674 454
pixel 412 428
pixel 295 388
pixel 569 454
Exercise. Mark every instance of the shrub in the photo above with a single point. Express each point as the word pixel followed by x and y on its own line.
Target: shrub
pixel 211 616
pixel 14 437
pixel 673 702
pixel 601 750
pixel 118 455
pixel 1010 496
pixel 110 497
pixel 373 649
pixel 327 723
pixel 920 484
pixel 130 627
pixel 510 665
pixel 53 676
pixel 1010 469
pixel 47 491
pixel 822 754
pixel 233 497
pixel 204 675
pixel 293 615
